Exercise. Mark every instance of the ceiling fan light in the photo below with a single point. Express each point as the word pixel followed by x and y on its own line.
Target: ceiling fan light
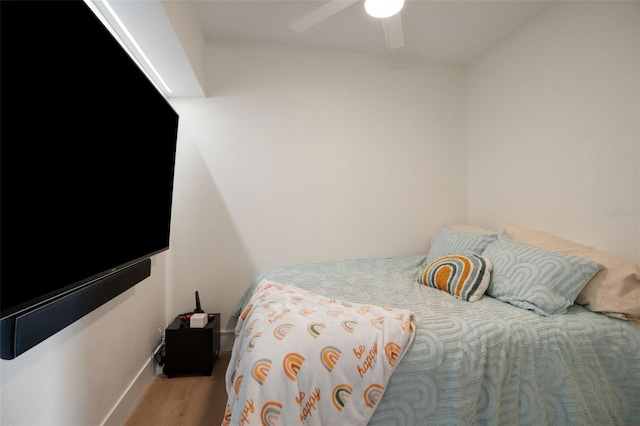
pixel 383 8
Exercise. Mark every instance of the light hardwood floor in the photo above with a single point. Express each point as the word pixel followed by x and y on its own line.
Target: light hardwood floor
pixel 184 400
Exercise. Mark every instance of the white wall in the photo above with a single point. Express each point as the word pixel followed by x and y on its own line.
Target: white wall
pixel 187 29
pixel 553 130
pixel 78 376
pixel 305 155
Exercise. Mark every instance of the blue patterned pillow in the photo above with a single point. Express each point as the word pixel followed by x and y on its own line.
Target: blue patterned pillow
pixel 463 276
pixel 449 241
pixel 534 278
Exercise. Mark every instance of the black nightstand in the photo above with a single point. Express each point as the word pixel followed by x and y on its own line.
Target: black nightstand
pixel 192 351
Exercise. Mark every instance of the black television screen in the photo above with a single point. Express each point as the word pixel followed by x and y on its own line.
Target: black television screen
pixel 87 154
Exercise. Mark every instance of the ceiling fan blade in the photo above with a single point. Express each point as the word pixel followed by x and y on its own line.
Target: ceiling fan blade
pixel 320 14
pixel 393 33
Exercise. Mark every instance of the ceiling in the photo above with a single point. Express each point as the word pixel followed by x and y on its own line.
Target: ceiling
pixel 168 32
pixel 442 31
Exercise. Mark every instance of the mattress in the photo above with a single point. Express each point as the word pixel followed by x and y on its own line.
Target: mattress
pixel 485 362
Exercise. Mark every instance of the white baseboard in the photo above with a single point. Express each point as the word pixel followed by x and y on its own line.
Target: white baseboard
pixel 129 399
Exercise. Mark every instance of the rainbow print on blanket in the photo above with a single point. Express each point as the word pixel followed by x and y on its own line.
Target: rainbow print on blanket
pixel 302 358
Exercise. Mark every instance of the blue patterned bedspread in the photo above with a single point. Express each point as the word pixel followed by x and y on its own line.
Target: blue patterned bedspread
pixel 486 362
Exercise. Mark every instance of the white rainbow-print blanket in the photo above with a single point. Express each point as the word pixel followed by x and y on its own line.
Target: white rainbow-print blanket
pixel 302 358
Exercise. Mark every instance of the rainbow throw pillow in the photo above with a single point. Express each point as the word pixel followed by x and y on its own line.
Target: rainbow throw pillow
pixel 465 276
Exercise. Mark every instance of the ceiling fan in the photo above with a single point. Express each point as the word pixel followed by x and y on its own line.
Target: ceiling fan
pixel 386 10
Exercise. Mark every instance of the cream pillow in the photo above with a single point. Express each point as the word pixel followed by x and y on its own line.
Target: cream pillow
pixel 614 291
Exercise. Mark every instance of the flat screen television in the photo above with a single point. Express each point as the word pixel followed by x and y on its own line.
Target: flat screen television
pixel 87 165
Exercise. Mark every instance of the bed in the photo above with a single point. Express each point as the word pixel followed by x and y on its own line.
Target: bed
pixel 480 362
